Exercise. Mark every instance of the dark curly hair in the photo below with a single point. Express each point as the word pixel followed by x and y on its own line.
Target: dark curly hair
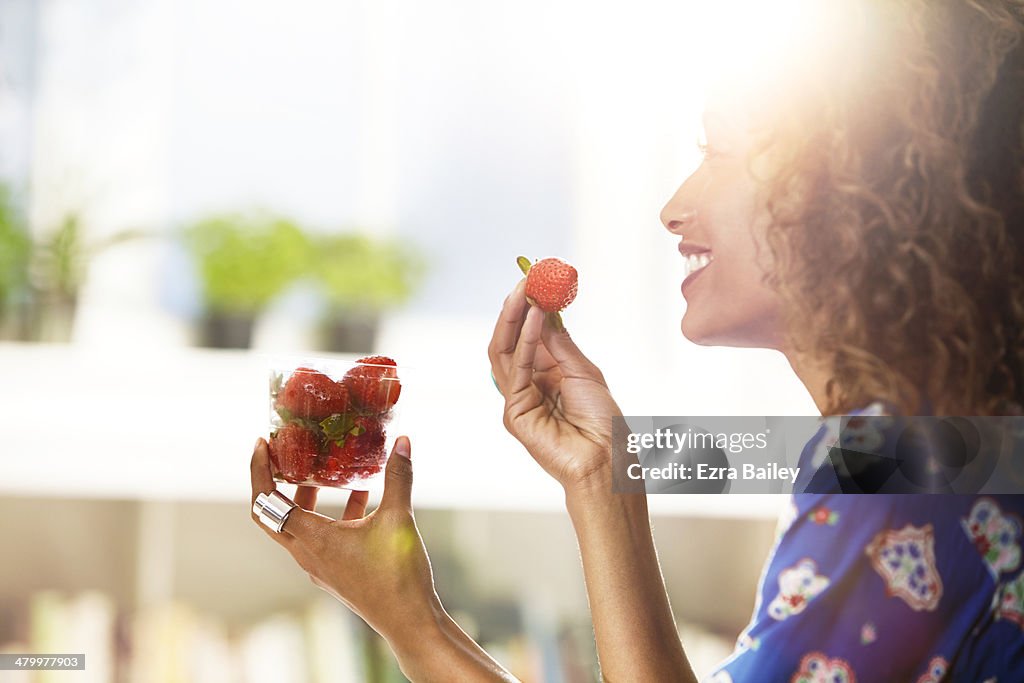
pixel 896 198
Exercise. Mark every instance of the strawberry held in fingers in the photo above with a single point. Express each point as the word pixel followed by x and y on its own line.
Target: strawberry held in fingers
pixel 309 394
pixel 373 385
pixel 551 283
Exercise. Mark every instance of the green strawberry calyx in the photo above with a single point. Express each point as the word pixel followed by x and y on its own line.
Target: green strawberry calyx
pixel 276 383
pixel 339 426
pixel 524 264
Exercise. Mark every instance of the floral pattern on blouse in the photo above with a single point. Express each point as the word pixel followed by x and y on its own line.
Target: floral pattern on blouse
pixel 936 671
pixel 896 587
pixel 797 585
pixel 995 535
pixel 815 667
pixel 906 561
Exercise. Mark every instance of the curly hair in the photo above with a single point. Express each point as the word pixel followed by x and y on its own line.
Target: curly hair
pixel 896 200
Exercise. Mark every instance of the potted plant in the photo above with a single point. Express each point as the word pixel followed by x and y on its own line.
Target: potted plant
pixel 361 277
pixel 15 256
pixel 59 264
pixel 40 278
pixel 243 262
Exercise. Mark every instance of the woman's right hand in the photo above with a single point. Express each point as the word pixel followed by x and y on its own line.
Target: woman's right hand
pixel 376 563
pixel 557 403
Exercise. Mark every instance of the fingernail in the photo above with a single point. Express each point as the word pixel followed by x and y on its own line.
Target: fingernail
pixel 402 447
pixel 259 441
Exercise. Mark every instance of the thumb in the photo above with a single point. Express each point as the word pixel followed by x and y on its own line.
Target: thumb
pixel 563 349
pixel 398 477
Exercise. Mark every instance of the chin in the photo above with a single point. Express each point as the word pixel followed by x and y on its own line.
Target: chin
pixel 739 336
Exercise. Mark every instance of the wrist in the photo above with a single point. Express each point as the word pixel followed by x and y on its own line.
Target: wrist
pixel 594 482
pixel 424 620
pixel 415 637
pixel 596 492
pixel 437 649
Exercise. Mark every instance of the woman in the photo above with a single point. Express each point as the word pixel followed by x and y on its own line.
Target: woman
pixel 863 213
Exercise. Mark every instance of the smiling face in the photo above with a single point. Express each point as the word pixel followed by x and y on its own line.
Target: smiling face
pixel 718 217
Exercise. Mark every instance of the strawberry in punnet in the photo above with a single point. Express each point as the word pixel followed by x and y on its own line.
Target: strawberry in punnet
pixel 334 473
pixel 309 394
pixel 361 446
pixel 551 285
pixel 373 384
pixel 293 451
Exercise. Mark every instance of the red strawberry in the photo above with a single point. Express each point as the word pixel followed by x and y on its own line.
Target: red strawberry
pixel 312 395
pixel 362 446
pixel 334 474
pixel 293 450
pixel 551 283
pixel 373 385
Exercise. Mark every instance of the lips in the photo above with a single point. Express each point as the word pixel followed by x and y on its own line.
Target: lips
pixel 689 279
pixel 696 258
pixel 690 248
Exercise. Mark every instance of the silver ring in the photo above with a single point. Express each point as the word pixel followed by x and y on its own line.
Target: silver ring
pixel 273 510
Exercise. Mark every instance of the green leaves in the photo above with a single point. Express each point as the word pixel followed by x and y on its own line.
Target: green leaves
pixel 244 261
pixel 15 252
pixel 524 264
pixel 276 383
pixel 360 273
pixel 337 427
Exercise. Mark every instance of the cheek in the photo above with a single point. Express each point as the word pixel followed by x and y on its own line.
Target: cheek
pixel 734 307
pixel 736 236
pixel 739 223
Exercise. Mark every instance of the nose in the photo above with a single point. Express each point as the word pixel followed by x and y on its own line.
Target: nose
pixel 681 209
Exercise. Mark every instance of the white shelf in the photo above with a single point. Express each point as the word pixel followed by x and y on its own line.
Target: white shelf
pixel 179 424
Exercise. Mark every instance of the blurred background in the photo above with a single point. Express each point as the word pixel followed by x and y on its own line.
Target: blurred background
pixel 188 188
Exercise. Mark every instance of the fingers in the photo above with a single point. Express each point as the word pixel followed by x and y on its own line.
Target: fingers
pixel 263 482
pixel 309 528
pixel 564 351
pixel 521 371
pixel 356 506
pixel 259 470
pixel 506 333
pixel 398 478
pixel 305 496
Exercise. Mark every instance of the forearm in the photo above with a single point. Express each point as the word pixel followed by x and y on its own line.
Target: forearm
pixel 439 650
pixel 633 623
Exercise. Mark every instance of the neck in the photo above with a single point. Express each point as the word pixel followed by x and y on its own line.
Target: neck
pixel 813 375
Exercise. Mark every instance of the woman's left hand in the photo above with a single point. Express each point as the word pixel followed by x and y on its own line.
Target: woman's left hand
pixel 375 563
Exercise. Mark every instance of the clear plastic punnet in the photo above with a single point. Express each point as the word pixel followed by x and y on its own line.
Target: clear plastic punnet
pixel 332 422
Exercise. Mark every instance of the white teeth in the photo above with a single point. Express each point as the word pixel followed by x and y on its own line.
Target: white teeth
pixel 695 262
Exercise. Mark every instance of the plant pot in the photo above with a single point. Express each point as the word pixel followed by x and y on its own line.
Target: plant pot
pixel 350 333
pixel 16 323
pixel 227 330
pixel 52 320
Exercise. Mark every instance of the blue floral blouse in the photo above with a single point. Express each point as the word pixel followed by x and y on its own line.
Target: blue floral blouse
pixel 887 588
